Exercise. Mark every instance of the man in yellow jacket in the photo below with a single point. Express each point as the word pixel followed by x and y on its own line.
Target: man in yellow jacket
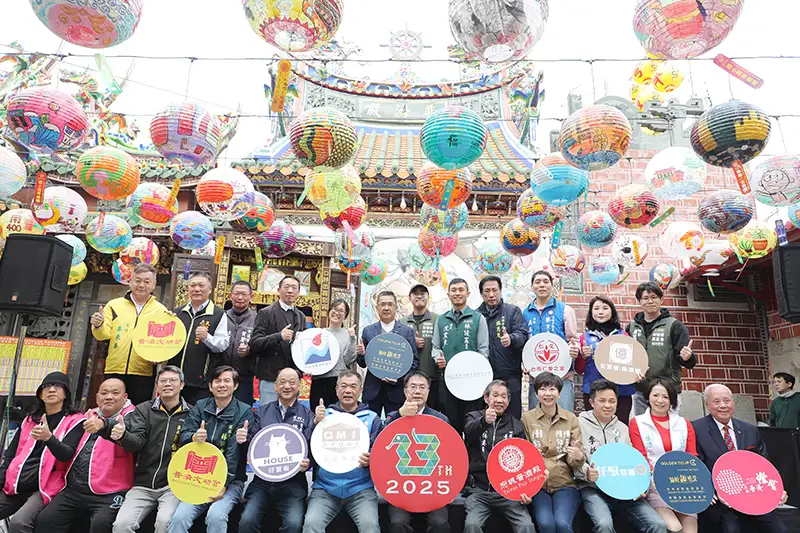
pixel 115 322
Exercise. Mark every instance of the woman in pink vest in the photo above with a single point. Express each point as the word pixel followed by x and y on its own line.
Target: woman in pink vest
pixel 35 463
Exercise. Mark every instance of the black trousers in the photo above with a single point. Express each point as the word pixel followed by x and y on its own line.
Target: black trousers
pixel 381 402
pixel 456 410
pixel 324 388
pixel 59 515
pixel 139 388
pixel 726 520
pixel 193 394
pixel 514 395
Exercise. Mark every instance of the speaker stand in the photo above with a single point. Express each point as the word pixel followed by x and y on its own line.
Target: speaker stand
pixel 19 321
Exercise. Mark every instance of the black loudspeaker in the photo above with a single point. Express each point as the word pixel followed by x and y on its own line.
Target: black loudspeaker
pixel 33 274
pixel 786 271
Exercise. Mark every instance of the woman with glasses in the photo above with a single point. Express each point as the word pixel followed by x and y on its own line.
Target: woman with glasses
pixel 324 386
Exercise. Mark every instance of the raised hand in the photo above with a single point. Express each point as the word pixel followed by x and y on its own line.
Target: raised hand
pixel 42 431
pixel 352 331
pixel 490 416
pixel 98 318
pixel 409 409
pixel 319 411
pixel 287 334
pixel 420 341
pixel 200 435
pixel 201 333
pixel 686 352
pixel 360 348
pixel 505 338
pixel 593 474
pixel 119 429
pixel 574 453
pixel 363 460
pixel 241 434
pixel 93 424
pixel 574 349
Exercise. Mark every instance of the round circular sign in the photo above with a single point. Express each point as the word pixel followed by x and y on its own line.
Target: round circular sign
pixel 315 351
pixel 748 482
pixel 338 441
pixel 546 352
pixel 515 467
pixel 197 473
pixel 276 452
pixel 683 482
pixel 389 356
pixel 467 374
pixel 159 338
pixel 618 358
pixel 624 472
pixel 419 463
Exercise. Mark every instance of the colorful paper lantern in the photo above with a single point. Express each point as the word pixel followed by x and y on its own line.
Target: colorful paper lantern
pixel 375 273
pixel 629 250
pixel 453 137
pixel 731 131
pixel 519 238
pixel 77 273
pixel 725 211
pixel 644 71
pixel 356 245
pixel 297 26
pixel 140 250
pixel 278 241
pixel 225 194
pixel 794 214
pixel 498 31
pixel 259 218
pixel 665 275
pixel 535 213
pixel 776 181
pixel 122 272
pixel 62 211
pixel 114 235
pixel 444 222
pixel 443 189
pixel 634 206
pixel 78 248
pixel 603 270
pixel 107 173
pixel 647 94
pixel 567 260
pixel 333 190
pixel 323 136
pixel 13 173
pixel 755 240
pixel 418 259
pixel 495 261
pixel 191 230
pixel 683 29
pixel 208 250
pixel 596 229
pixel 667 78
pixel 675 173
pixel 186 134
pixel 429 278
pixel 46 120
pixel 595 137
pixel 556 182
pixel 352 265
pixel 147 206
pixel 20 221
pixel 353 215
pixel 433 245
pixel 96 24
pixel 682 239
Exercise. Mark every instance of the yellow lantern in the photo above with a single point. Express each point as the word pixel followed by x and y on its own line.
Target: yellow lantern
pixel 647 94
pixel 644 71
pixel 667 78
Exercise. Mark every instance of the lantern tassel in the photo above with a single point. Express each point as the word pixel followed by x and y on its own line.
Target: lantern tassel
pixel 350 233
pixel 710 288
pixel 306 189
pixel 101 220
pixel 173 194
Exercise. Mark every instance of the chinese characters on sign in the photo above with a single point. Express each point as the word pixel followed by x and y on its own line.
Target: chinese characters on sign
pixel 683 482
pixel 315 351
pixel 546 352
pixel 389 356
pixel 515 467
pixel 39 358
pixel 338 441
pixel 748 482
pixel 159 338
pixel 276 452
pixel 624 472
pixel 197 473
pixel 620 358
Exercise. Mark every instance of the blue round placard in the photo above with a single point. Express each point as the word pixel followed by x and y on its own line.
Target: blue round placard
pixel 624 472
pixel 683 482
pixel 389 356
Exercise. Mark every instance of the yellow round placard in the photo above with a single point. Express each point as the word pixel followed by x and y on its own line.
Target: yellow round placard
pixel 159 337
pixel 197 473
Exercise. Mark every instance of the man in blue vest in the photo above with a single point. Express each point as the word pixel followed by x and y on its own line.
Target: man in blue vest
pixel 545 314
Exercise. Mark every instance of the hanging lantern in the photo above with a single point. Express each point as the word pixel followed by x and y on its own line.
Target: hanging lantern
pixel 665 275
pixel 647 94
pixel 556 182
pixel 259 218
pixel 634 206
pixel 443 189
pixel 667 78
pixel 495 262
pixel 191 230
pixel 429 278
pixel 567 261
pixel 62 210
pixel 99 24
pixel 45 120
pixel 684 28
pixel 644 71
pixel 794 215
pixel 225 194
pixel 208 250
pixel 682 239
pixel 297 26
pixel 755 240
pixel 453 137
pixel 375 273
pixel 361 248
pixel 78 248
pixel 20 221
pixel 107 173
pixel 122 272
pixel 595 137
pixel 498 31
pixel 13 173
pixel 417 259
pixel 433 245
pixel 725 211
pixel 352 265
pixel 675 173
pixel 519 239
pixel 323 136
pixel 278 241
pixel 776 181
pixel 114 235
pixel 596 229
pixel 186 134
pixel 147 206
pixel 353 215
pixel 77 273
pixel 333 190
pixel 629 250
pixel 728 132
pixel 140 250
pixel 444 223
pixel 603 270
pixel 537 214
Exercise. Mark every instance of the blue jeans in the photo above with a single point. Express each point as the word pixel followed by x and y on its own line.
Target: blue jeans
pixel 266 390
pixel 217 517
pixel 288 497
pixel 554 512
pixel 361 506
pixel 566 401
pixel 602 509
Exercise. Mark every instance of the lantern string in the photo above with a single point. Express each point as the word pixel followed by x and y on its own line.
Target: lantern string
pixel 783 135
pixel 691 77
pixel 188 78
pixel 594 85
pixel 730 86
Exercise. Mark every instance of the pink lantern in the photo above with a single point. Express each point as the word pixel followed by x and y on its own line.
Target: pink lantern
pixel 185 133
pixel 96 24
pixel 46 120
pixel 434 246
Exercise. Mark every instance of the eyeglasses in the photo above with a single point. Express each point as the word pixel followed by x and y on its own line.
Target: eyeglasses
pixel 421 388
pixel 647 299
pixel 164 381
pixel 337 311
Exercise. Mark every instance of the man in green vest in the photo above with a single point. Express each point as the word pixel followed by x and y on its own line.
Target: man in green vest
pixel 461 329
pixel 784 411
pixel 422 321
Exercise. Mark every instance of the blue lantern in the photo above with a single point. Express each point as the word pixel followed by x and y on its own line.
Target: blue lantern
pixel 596 229
pixel 444 222
pixel 453 137
pixel 603 270
pixel 556 182
pixel 495 261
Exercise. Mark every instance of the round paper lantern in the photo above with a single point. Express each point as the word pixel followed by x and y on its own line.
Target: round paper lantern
pixel 453 137
pixel 107 173
pixel 418 259
pixel 684 28
pixel 498 31
pixel 433 245
pixel 667 78
pixel 78 248
pixel 185 133
pixel 209 250
pixel 13 173
pixel 603 270
pixel 595 137
pixel 323 136
pixel 62 211
pixel 366 265
pixel 121 272
pixel 776 181
pixel 755 240
pixel 682 239
pixel 353 215
pixel 634 206
pixel 725 211
pixel 46 120
pixel 567 260
pixel 519 239
pixel 19 221
pixel 375 273
pixel 675 173
pixel 629 250
pixel 352 265
pixel 556 182
pixel 362 247
pixel 297 26
pixel 443 189
pixel 77 273
pixel 665 275
pixel 794 215
pixel 644 71
pixel 278 241
pixel 96 24
pixel 647 94
pixel 535 213
pixel 140 250
pixel 495 262
pixel 225 194
pixel 259 218
pixel 444 222
pixel 114 235
pixel 147 206
pixel 731 131
pixel 596 229
pixel 429 278
pixel 333 190
pixel 191 230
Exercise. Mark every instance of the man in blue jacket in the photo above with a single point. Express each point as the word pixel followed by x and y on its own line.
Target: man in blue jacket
pixel 386 394
pixel 288 497
pixel 354 490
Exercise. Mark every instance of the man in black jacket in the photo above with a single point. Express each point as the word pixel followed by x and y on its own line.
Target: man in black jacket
pixel 241 321
pixel 151 431
pixel 273 334
pixel 508 333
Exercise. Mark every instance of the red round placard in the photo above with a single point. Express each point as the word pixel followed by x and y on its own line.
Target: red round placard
pixel 515 467
pixel 419 463
pixel 748 482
